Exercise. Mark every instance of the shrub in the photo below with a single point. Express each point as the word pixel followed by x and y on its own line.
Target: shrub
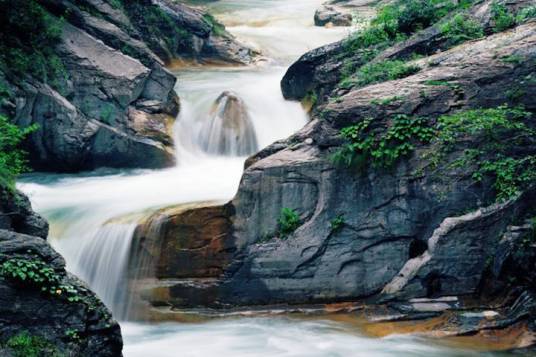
pixel 365 146
pixel 501 131
pixel 380 72
pixel 502 18
pixel 461 28
pixel 395 22
pixel 12 158
pixel 526 14
pixel 337 223
pixel 28 36
pixel 288 221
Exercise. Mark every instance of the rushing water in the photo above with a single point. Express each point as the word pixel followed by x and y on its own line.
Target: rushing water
pixel 93 215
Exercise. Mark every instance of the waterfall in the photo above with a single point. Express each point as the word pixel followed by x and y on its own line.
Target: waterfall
pixel 104 264
pixel 226 114
pixel 228 129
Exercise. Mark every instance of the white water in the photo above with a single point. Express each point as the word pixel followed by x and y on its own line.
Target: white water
pixel 82 209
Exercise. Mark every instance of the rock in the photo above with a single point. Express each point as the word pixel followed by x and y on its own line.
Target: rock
pixel 182 246
pixel 228 129
pixel 67 317
pixel 392 218
pixel 16 215
pixel 93 128
pixel 342 12
pixel 190 33
pixel 328 15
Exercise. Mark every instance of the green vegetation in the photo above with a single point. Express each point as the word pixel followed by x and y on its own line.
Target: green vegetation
pixel 28 36
pixel 288 222
pixel 395 22
pixel 387 100
pixel 502 18
pixel 380 72
pixel 513 59
pixel 311 98
pixel 36 274
pixel 26 345
pixel 337 223
pixel 526 14
pixel 217 28
pixel 106 113
pixel 156 24
pixel 12 158
pixel 496 133
pixel 461 28
pixel 381 148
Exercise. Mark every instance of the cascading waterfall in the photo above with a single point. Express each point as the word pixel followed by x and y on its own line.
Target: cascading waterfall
pixel 226 114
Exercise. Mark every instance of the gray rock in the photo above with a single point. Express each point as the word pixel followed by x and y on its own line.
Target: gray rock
pixel 71 322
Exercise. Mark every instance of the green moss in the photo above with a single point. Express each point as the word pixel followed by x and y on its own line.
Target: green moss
pixel 461 28
pixel 366 146
pixel 12 159
pixel 380 72
pixel 288 222
pixel 26 345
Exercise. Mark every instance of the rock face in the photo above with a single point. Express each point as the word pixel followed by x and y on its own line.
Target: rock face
pixel 406 233
pixel 228 130
pixel 60 314
pixel 114 104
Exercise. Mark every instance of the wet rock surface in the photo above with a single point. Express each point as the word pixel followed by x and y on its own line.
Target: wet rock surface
pixel 61 313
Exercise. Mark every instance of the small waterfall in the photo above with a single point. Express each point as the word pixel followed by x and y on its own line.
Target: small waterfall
pixel 104 262
pixel 228 129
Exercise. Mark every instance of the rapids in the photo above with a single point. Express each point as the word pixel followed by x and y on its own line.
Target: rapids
pixel 92 215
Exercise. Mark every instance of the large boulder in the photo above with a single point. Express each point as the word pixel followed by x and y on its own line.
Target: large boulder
pixel 43 307
pixel 228 129
pixel 406 232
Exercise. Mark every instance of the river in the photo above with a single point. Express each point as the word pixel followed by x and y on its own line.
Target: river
pixel 82 209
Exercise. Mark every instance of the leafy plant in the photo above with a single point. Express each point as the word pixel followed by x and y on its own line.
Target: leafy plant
pixel 526 14
pixel 36 274
pixel 12 158
pixel 381 148
pixel 380 72
pixel 501 130
pixel 288 221
pixel 461 28
pixel 396 21
pixel 502 18
pixel 28 37
pixel 337 223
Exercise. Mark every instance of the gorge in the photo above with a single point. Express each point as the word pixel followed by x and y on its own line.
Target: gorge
pixel 258 221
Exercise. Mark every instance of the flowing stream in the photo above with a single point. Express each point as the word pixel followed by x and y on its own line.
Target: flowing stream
pixel 92 215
